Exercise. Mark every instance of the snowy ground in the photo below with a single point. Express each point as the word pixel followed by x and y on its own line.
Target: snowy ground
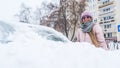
pixel 22 47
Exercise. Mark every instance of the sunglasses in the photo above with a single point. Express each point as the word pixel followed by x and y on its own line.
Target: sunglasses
pixel 86 17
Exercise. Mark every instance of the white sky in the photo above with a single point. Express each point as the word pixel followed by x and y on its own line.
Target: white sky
pixel 8 8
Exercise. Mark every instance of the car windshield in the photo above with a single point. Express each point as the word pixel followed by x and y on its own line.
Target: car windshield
pixel 50 34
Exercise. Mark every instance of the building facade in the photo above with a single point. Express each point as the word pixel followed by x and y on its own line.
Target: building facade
pixel 92 6
pixel 109 18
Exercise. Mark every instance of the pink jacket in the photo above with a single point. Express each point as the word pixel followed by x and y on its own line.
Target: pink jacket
pixel 84 37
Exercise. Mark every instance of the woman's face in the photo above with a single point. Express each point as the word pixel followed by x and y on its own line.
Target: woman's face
pixel 86 19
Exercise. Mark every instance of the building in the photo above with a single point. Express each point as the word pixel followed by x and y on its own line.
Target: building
pixel 109 18
pixel 92 6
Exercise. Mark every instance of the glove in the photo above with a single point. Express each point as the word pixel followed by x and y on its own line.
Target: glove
pixel 113 46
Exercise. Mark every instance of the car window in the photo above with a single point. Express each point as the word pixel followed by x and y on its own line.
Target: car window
pixel 56 38
pixel 50 34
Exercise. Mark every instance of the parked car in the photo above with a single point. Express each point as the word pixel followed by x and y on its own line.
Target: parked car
pixel 7 29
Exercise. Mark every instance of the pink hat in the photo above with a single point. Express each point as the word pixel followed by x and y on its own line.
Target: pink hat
pixel 86 13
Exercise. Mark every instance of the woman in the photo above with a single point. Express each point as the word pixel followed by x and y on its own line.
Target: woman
pixel 90 32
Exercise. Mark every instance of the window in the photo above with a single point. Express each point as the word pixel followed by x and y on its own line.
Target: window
pixel 104 18
pixel 109 9
pixel 106 9
pixel 105 26
pixel 103 3
pixel 106 1
pixel 109 34
pixel 109 26
pixel 108 18
pixel 103 10
pixel 105 35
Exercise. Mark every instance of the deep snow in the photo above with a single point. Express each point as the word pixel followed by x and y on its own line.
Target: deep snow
pixel 22 47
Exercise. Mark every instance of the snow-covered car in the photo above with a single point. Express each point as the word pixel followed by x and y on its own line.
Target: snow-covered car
pixel 34 46
pixel 7 29
pixel 50 34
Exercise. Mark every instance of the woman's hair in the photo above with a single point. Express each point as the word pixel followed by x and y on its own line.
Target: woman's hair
pixel 93 38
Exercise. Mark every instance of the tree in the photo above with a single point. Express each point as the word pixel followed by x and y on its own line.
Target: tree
pixel 42 14
pixel 24 14
pixel 66 17
pixel 71 11
pixel 38 15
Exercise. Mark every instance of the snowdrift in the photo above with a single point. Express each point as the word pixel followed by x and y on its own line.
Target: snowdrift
pixel 24 46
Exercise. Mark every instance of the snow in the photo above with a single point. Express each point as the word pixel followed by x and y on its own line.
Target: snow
pixel 27 48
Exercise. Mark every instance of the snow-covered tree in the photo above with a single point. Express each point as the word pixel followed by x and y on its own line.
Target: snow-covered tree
pixel 42 13
pixel 38 15
pixel 24 14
